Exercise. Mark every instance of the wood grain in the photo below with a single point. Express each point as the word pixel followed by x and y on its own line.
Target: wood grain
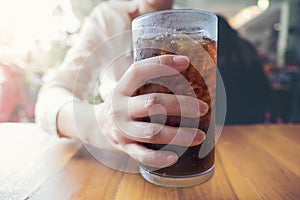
pixel 29 157
pixel 252 162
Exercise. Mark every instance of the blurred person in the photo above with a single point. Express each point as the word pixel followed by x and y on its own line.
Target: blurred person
pixel 63 94
pixel 246 84
pixel 16 103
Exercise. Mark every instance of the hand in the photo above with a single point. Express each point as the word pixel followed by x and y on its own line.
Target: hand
pixel 117 115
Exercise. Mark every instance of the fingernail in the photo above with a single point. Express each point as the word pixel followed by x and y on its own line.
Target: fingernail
pixel 181 60
pixel 203 109
pixel 199 138
pixel 171 158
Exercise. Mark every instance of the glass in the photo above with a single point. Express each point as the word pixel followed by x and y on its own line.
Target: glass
pixel 183 32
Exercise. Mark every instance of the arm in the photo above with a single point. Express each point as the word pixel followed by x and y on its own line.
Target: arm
pixel 58 88
pixel 112 125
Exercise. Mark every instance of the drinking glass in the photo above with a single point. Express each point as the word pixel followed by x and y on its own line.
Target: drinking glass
pixel 192 33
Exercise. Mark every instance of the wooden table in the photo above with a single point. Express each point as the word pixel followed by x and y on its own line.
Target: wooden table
pixel 252 162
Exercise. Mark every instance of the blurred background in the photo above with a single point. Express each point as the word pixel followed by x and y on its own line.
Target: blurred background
pixel 35 34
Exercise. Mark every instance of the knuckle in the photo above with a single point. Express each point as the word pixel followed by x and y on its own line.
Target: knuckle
pixel 164 59
pixel 115 113
pixel 151 100
pixel 143 159
pixel 118 138
pixel 152 132
pixel 134 65
pixel 146 158
pixel 136 70
pixel 115 134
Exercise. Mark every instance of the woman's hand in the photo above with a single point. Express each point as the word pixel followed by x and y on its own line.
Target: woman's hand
pixel 117 116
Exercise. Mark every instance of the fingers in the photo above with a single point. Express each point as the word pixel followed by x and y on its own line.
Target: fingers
pixel 140 72
pixel 128 135
pixel 162 134
pixel 172 105
pixel 130 141
pixel 159 134
pixel 150 157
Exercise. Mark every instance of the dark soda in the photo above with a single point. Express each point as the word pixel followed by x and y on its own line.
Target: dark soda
pixel 201 77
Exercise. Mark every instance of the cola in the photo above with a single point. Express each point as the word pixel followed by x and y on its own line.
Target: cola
pixel 200 82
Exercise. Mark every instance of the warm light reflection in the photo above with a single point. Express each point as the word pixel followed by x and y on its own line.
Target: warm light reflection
pixel 277 26
pixel 263 4
pixel 24 25
pixel 249 13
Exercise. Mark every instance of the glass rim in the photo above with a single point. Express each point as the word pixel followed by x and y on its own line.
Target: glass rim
pixel 178 10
